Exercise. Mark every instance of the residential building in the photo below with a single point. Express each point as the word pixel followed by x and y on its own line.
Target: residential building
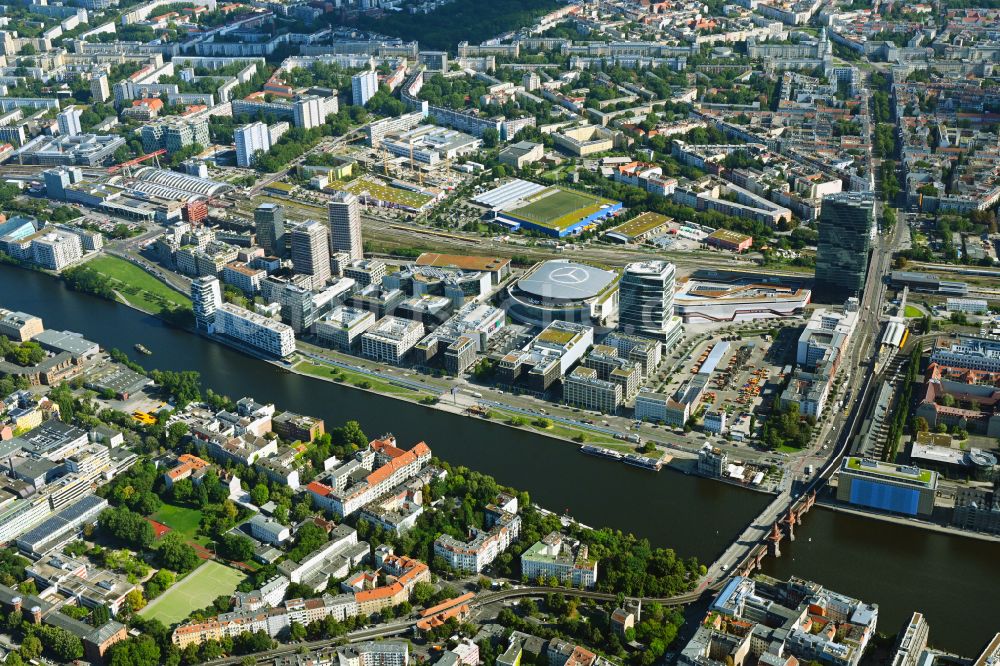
pixel 55 250
pixel 364 85
pixel 346 489
pixel 251 140
pixel 846 232
pixel 483 546
pixel 558 556
pixel 100 91
pixel 345 225
pixel 781 622
pixel 206 299
pixel 259 332
pixel 311 252
pixel 309 112
pixel 69 121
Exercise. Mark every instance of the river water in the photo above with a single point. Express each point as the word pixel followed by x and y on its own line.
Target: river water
pixel 953 581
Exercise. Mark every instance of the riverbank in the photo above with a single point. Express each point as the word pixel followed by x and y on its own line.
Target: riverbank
pixel 907 522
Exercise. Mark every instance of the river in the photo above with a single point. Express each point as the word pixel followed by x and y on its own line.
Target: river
pixel 952 580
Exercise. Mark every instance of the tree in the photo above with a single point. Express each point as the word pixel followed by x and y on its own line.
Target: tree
pixel 235 547
pixel 491 138
pixel 134 601
pixel 260 494
pixel 31 647
pixel 128 526
pixel 135 651
pixel 174 554
pixel 296 632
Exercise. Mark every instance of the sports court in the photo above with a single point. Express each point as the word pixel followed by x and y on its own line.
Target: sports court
pixel 556 207
pixel 197 590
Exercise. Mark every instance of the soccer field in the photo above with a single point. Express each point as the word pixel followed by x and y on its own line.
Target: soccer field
pixel 197 590
pixel 558 208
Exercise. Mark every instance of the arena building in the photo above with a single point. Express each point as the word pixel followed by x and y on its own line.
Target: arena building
pixel 737 299
pixel 563 290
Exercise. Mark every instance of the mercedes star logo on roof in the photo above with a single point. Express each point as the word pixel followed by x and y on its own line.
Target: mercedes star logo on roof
pixel 569 275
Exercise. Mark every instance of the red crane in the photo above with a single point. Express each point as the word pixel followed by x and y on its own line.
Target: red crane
pixel 138 160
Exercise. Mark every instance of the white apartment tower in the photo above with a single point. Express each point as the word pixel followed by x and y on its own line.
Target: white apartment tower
pixel 206 298
pixel 100 91
pixel 345 225
pixel 308 112
pixel 311 252
pixel 250 140
pixel 363 87
pixel 69 121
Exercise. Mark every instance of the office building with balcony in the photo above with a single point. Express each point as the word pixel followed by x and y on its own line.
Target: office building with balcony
pixel 343 326
pixel 646 301
pixel 846 233
pixel 391 338
pixel 583 388
pixel 311 252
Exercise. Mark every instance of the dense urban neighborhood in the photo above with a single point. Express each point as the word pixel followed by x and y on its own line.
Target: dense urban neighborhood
pixel 588 333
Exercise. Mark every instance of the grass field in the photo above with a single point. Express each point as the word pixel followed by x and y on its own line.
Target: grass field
pixel 558 208
pixel 137 286
pixel 382 386
pixel 388 193
pixel 911 311
pixel 182 520
pixel 196 590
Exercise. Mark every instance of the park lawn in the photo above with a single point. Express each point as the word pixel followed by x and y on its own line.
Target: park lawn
pixel 182 520
pixel 196 590
pixel 137 286
pixel 911 311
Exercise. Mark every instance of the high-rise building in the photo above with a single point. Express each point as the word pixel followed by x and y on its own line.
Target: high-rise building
pixel 69 121
pixel 646 301
pixel 269 220
pixel 311 252
pixel 206 298
pixel 308 112
pixel 345 225
pixel 363 87
pixel 250 140
pixel 846 230
pixel 100 91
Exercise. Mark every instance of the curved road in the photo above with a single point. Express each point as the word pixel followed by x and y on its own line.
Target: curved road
pixel 484 598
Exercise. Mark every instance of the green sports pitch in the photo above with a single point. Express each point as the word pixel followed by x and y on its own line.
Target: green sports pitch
pixel 195 591
pixel 558 208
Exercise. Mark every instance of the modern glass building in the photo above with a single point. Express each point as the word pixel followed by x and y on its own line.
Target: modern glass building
pixel 269 220
pixel 646 301
pixel 846 231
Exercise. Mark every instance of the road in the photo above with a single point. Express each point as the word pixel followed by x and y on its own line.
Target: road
pixel 482 599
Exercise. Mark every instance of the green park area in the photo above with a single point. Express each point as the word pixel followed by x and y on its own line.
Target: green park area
pixel 182 520
pixel 358 379
pixel 138 287
pixel 196 590
pixel 912 311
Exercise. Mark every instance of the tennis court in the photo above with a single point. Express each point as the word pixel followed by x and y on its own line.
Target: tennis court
pixel 197 590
